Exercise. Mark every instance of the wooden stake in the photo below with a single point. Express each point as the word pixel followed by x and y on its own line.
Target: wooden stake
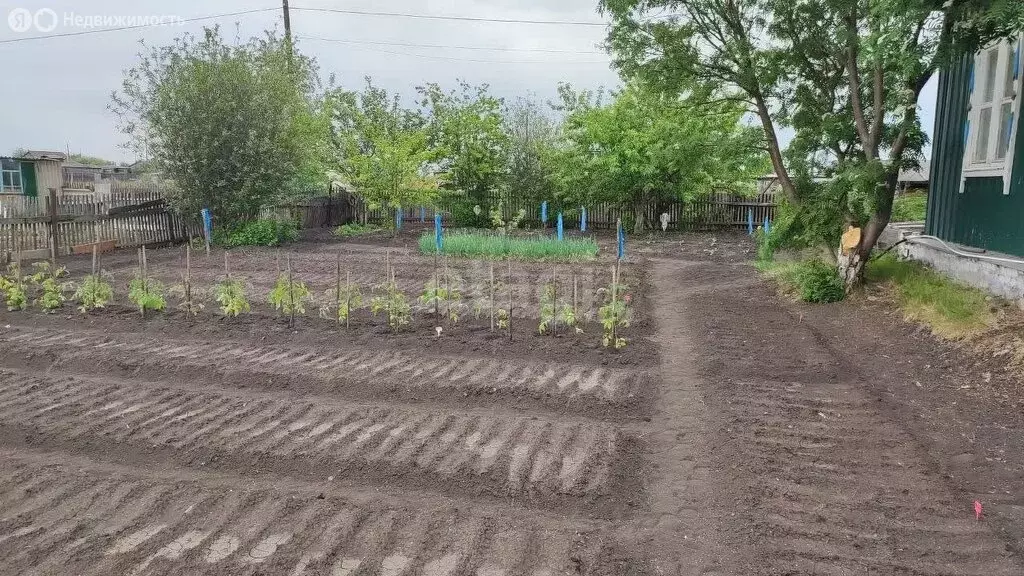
pixel 509 299
pixel 554 300
pixel 447 292
pixel 227 271
pixel 188 278
pixel 575 295
pixel 615 289
pixel 348 297
pixel 437 288
pixel 492 296
pixel 337 288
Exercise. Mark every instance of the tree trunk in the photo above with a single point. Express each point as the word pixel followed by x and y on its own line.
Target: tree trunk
pixel 640 212
pixel 853 256
pixel 851 268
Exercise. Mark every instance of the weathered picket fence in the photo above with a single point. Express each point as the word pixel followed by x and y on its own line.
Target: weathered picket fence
pixel 68 223
pixel 720 210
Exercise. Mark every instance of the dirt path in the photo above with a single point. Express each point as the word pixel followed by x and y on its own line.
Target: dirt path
pixel 777 457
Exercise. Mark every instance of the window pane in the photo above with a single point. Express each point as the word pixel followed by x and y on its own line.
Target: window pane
pixel 991 69
pixel 1008 82
pixel 984 128
pixel 1003 145
pixel 8 164
pixel 7 179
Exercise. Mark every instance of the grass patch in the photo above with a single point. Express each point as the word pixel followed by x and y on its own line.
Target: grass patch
pixel 952 310
pixel 810 280
pixel 484 245
pixel 257 233
pixel 356 229
pixel 910 207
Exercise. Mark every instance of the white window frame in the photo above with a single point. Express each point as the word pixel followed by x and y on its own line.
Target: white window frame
pixel 991 167
pixel 20 188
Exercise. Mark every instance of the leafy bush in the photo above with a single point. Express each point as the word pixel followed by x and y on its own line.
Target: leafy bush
pixel 259 233
pixel 356 229
pixel 146 294
pixel 230 294
pixel 93 293
pixel 820 282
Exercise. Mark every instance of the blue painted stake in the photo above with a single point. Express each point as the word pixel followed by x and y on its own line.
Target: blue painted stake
pixel 544 213
pixel 767 226
pixel 423 214
pixel 438 240
pixel 560 228
pixel 207 224
pixel 583 220
pixel 750 221
pixel 398 218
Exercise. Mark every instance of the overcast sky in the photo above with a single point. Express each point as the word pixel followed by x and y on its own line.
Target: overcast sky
pixel 56 90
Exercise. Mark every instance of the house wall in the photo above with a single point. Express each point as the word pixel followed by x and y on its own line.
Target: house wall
pixel 981 215
pixel 48 175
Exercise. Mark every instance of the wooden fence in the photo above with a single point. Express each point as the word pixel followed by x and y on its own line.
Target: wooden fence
pixel 319 212
pixel 711 212
pixel 40 227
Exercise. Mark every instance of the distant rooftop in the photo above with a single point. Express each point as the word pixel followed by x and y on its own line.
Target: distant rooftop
pixel 43 155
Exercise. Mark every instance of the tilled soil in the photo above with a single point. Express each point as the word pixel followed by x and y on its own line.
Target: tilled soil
pixel 737 434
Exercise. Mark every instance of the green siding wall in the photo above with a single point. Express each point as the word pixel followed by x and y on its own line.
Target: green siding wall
pixel 982 216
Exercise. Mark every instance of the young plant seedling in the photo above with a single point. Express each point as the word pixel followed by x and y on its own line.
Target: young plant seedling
pixel 230 294
pixel 13 286
pixel 289 296
pixel 146 294
pixel 615 313
pixel 392 301
pixel 47 279
pixel 94 292
pixel 342 301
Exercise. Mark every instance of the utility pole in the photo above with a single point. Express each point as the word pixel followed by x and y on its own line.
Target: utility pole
pixel 287 30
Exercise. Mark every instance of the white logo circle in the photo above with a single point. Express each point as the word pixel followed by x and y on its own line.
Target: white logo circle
pixel 20 19
pixel 45 20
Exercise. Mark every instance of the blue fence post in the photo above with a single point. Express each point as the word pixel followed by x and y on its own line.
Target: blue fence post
pixel 767 226
pixel 583 220
pixel 438 239
pixel 560 229
pixel 544 213
pixel 398 218
pixel 750 221
pixel 423 214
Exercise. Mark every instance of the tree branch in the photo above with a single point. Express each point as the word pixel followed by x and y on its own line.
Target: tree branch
pixel 853 78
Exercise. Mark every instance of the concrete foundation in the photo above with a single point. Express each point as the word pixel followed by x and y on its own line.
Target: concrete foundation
pixel 1004 279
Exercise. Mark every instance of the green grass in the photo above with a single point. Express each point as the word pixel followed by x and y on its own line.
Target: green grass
pixel 950 309
pixel 910 207
pixel 355 229
pixel 810 280
pixel 488 245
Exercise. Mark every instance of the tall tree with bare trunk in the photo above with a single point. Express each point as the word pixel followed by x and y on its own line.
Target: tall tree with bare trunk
pixel 844 75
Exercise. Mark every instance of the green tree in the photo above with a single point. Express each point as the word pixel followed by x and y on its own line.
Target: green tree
pixel 384 149
pixel 647 147
pixel 233 125
pixel 467 131
pixel 845 75
pixel 532 136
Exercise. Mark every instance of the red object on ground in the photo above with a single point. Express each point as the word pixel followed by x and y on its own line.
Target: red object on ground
pixel 977 510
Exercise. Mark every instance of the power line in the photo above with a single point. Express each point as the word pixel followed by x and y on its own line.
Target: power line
pixel 444 46
pixel 102 30
pixel 457 18
pixel 455 59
